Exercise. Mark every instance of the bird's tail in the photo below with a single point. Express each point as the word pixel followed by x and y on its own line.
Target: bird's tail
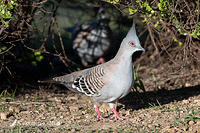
pixel 56 81
pixel 46 81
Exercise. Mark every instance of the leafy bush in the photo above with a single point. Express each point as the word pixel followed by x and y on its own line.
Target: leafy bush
pixel 174 27
pixel 6 8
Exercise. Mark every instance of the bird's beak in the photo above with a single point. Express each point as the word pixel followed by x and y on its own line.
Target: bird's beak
pixel 141 49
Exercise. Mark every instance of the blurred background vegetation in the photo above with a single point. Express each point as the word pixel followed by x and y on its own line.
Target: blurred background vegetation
pixel 35 43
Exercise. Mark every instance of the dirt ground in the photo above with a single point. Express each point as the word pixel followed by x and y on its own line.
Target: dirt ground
pixel 171 104
pixel 59 110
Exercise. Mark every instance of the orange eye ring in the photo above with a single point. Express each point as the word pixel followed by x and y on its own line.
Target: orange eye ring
pixel 131 43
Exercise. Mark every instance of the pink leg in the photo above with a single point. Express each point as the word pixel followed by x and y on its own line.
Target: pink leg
pixel 116 114
pixel 101 60
pixel 99 114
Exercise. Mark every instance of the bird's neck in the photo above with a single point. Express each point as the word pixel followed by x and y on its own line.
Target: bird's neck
pixel 123 56
pixel 123 62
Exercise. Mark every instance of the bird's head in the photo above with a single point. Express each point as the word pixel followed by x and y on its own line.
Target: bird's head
pixel 131 42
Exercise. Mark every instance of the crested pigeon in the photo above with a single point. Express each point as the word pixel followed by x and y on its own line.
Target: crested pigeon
pixel 106 82
pixel 92 40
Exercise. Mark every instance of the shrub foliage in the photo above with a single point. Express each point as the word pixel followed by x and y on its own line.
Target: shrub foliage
pixel 174 27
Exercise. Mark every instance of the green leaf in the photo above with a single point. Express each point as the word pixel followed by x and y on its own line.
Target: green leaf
pixel 153 76
pixel 159 6
pixel 3 48
pixel 142 86
pixel 132 11
pixel 39 58
pixel 113 1
pixel 36 98
pixel 180 31
pixel 37 53
pixel 174 39
pixel 5 11
pixel 157 23
pixel 148 8
pixel 34 63
pixel 180 43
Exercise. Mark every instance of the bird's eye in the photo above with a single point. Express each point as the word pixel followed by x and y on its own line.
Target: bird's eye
pixel 131 43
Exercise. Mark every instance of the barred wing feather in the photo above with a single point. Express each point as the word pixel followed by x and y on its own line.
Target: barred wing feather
pixel 90 83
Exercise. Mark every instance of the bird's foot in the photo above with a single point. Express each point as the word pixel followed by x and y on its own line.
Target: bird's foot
pixel 99 116
pixel 116 114
pixel 101 60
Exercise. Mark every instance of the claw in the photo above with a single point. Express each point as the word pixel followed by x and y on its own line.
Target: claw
pixel 99 116
pixel 116 115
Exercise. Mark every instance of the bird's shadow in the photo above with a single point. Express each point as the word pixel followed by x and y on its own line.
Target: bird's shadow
pixel 136 101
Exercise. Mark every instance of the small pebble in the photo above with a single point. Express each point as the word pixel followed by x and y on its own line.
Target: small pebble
pixel 73 130
pixel 83 112
pixel 149 126
pixel 128 113
pixel 187 85
pixel 191 123
pixel 3 116
pixel 73 108
pixel 13 109
pixel 198 122
pixel 165 129
pixel 185 101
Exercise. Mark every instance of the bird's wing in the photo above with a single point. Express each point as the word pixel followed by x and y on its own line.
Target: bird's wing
pixel 89 81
